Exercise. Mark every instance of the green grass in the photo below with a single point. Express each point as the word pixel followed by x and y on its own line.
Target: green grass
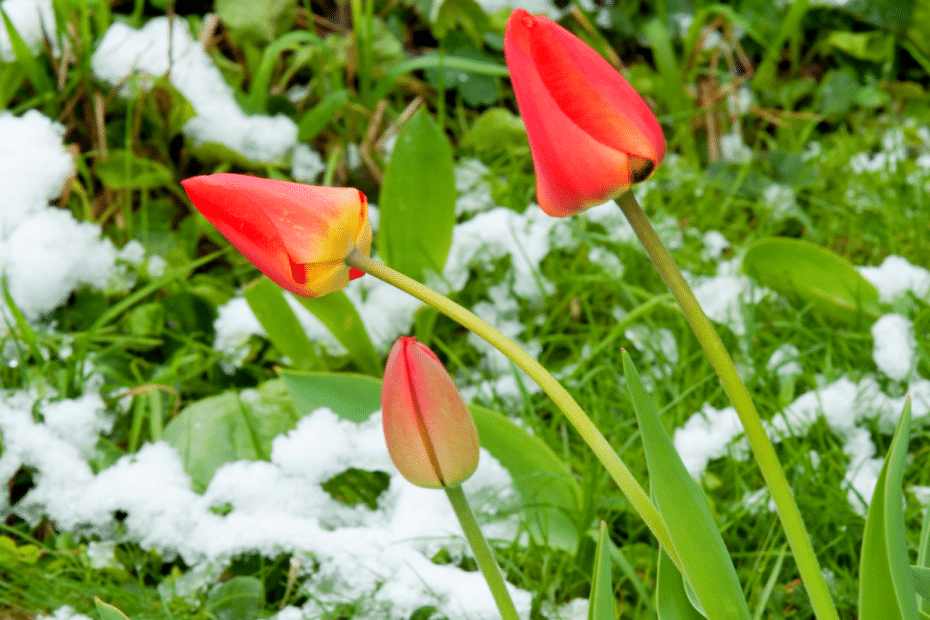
pixel 160 333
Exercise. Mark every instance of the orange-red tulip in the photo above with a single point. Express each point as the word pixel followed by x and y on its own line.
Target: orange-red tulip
pixel 590 133
pixel 298 235
pixel 429 430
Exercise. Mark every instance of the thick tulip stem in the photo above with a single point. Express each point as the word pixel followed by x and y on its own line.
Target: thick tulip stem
pixel 483 554
pixel 742 402
pixel 559 395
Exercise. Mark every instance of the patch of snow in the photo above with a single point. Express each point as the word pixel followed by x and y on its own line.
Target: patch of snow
pixel 896 277
pixel 306 164
pixel 784 361
pixel 379 558
pixel 33 20
pixel 894 346
pixel 143 54
pixel 714 245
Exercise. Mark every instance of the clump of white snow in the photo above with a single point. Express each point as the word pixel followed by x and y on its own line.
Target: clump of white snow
pixel 379 559
pixel 896 277
pixel 784 361
pixel 894 346
pixel 45 254
pixel 724 296
pixel 34 22
pixel 125 53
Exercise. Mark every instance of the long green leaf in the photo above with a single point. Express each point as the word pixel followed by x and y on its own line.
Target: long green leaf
pixel 434 60
pixel 317 118
pixel 34 70
pixel 684 508
pixel 225 428
pixel 815 275
pixel 266 299
pixel 601 600
pixel 261 85
pixel 108 612
pixel 921 578
pixel 341 318
pixel 672 601
pixel 923 555
pixel 549 493
pixel 417 205
pixel 886 584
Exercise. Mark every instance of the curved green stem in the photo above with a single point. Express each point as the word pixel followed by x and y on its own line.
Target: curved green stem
pixel 742 402
pixel 559 395
pixel 483 554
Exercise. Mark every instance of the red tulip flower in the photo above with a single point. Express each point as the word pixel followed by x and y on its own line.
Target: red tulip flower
pixel 297 235
pixel 429 430
pixel 590 133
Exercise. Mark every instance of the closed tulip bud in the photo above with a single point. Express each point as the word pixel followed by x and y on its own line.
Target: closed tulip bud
pixel 429 430
pixel 297 235
pixel 591 135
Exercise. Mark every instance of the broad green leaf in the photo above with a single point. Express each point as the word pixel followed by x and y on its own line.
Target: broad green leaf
pixel 228 427
pixel 684 508
pixel 495 129
pixel 886 583
pixel 239 598
pixel 108 612
pixel 873 46
pixel 923 554
pixel 321 115
pixel 259 20
pixel 450 14
pixel 266 299
pixel 813 275
pixel 921 577
pixel 353 397
pixel 340 317
pixel 894 15
pixel 838 92
pixel 672 601
pixel 417 204
pixel 601 599
pixel 547 489
pixel 123 169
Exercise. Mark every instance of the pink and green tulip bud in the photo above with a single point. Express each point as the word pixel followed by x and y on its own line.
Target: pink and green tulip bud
pixel 429 430
pixel 297 235
pixel 591 135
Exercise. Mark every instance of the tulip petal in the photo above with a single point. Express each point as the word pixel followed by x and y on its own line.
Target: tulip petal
pixel 298 235
pixel 430 434
pixel 591 135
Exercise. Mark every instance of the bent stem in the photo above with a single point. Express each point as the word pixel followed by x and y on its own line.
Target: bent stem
pixel 559 395
pixel 483 554
pixel 742 402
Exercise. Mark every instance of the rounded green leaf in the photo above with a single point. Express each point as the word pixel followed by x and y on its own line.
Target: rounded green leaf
pixel 813 275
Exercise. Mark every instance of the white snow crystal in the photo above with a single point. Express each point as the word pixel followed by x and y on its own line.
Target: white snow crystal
pixel 49 255
pixel 34 166
pixel 896 276
pixel 306 164
pixel 714 245
pixel 124 52
pixel 705 436
pixel 33 20
pixel 894 345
